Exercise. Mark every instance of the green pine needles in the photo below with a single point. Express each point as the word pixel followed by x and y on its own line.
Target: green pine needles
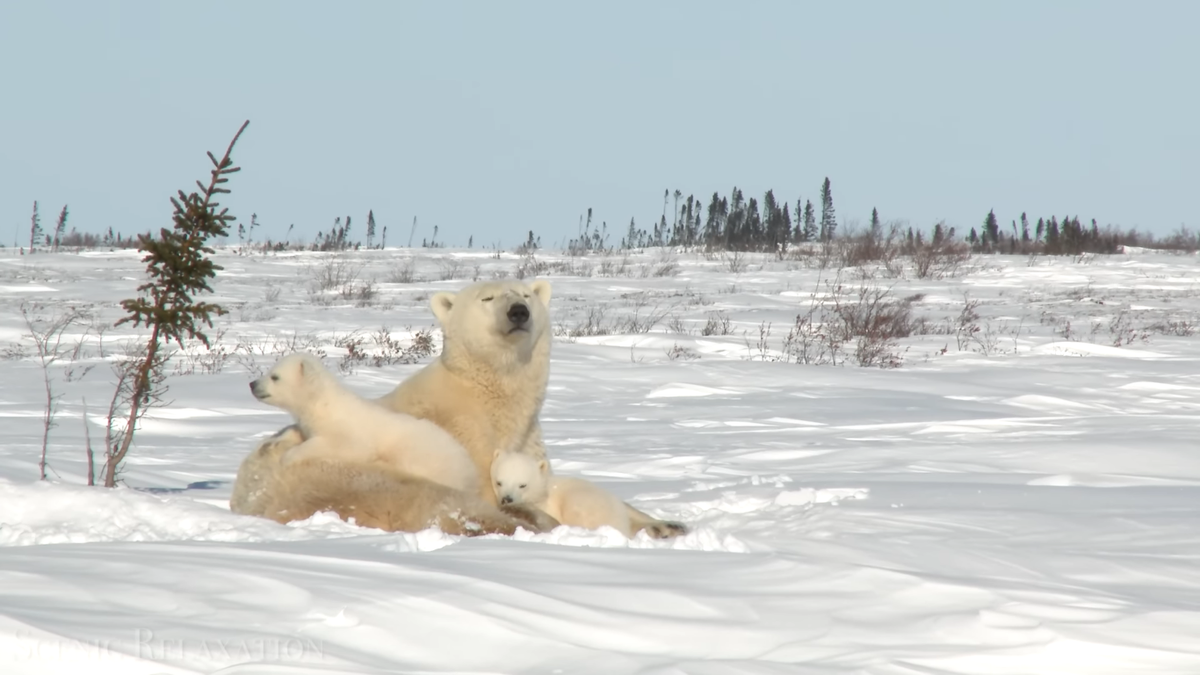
pixel 179 268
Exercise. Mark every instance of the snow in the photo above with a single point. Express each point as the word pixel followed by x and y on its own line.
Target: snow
pixel 1022 502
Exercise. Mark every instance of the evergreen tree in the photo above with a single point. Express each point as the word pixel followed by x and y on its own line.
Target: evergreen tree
pixel 798 231
pixel 810 222
pixel 1052 236
pixel 179 266
pixel 828 217
pixel 1024 228
pixel 370 227
pixel 1041 230
pixel 733 221
pixel 60 228
pixel 991 230
pixel 752 230
pixel 35 229
pixel 876 226
pixel 973 238
pixel 713 225
pixel 631 238
pixel 773 220
pixel 785 228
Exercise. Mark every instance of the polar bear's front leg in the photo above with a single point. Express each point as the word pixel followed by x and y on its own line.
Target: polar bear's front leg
pixel 316 447
pixel 258 471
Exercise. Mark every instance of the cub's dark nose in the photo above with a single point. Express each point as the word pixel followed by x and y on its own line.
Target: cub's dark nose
pixel 507 499
pixel 518 313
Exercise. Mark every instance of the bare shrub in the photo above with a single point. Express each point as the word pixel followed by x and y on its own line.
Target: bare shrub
pixel 940 259
pixel 210 360
pixel 361 293
pixel 402 273
pixel 333 273
pixel 383 349
pixel 666 265
pixel 47 334
pixel 1176 327
pixel 1123 332
pixel 967 324
pixel 529 266
pixel 675 325
pixel 450 269
pixel 734 261
pixel 873 312
pixel 593 323
pixel 614 268
pixel 718 323
pixel 645 316
pixel 678 352
pixel 247 352
pixel 870 318
pixel 868 248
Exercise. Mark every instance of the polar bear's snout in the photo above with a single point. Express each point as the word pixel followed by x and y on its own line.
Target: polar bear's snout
pixel 259 391
pixel 518 314
pixel 506 499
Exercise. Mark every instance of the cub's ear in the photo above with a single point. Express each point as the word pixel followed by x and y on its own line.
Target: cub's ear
pixel 496 454
pixel 541 288
pixel 442 303
pixel 543 467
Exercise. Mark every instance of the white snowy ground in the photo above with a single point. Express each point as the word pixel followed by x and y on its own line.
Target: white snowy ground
pixel 1028 504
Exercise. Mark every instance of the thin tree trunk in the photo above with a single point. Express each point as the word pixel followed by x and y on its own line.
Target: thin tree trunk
pixel 91 456
pixel 48 416
pixel 135 406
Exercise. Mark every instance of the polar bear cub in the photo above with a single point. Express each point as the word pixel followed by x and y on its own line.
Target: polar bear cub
pixel 521 478
pixel 342 426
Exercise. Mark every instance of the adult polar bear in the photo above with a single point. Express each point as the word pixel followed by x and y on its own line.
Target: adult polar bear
pixel 486 388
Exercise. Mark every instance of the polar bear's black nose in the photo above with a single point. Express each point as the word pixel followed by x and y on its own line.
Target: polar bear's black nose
pixel 518 313
pixel 506 499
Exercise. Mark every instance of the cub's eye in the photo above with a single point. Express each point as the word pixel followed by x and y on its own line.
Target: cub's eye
pixel 489 298
pixel 527 296
pixel 497 483
pixel 522 485
pixel 274 378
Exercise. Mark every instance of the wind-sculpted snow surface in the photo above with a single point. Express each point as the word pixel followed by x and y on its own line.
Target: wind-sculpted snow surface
pixel 1019 498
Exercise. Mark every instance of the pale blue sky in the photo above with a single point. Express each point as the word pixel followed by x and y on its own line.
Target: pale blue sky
pixel 493 118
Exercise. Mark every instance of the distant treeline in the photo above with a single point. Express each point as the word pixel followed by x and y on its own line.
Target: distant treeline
pixel 733 223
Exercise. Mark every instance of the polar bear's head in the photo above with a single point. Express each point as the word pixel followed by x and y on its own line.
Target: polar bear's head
pixel 500 323
pixel 293 381
pixel 519 478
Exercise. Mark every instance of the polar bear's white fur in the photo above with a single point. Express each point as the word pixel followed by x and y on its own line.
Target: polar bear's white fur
pixel 519 478
pixel 370 495
pixel 487 386
pixel 339 425
pixel 486 389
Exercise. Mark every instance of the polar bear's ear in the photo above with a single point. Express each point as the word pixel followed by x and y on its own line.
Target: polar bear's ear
pixel 496 454
pixel 543 467
pixel 442 303
pixel 541 288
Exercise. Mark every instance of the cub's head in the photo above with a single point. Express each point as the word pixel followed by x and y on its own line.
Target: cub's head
pixel 519 478
pixel 497 322
pixel 290 382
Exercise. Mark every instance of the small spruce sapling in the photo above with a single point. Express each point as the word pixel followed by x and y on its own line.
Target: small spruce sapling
pixel 179 267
